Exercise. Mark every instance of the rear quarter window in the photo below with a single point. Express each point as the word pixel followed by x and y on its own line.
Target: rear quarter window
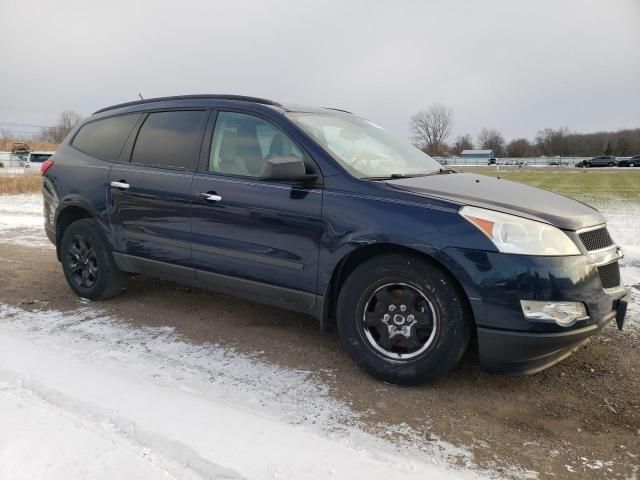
pixel 105 138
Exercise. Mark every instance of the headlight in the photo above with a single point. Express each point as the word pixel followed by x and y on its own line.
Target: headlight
pixel 512 234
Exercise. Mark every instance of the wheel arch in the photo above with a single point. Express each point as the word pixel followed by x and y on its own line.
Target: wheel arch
pixel 351 260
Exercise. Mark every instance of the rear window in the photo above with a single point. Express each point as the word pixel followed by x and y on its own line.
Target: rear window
pixel 105 138
pixel 170 139
pixel 39 157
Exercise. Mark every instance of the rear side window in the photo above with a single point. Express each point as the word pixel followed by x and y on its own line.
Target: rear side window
pixel 105 138
pixel 170 139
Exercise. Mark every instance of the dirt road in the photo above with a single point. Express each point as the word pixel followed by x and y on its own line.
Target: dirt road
pixel 579 419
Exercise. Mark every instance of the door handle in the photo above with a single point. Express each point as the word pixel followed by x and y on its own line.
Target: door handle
pixel 210 196
pixel 121 184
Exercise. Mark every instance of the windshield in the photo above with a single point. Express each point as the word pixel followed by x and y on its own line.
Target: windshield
pixel 363 148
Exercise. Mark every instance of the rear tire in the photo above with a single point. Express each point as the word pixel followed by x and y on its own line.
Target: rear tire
pixel 611 164
pixel 402 319
pixel 87 262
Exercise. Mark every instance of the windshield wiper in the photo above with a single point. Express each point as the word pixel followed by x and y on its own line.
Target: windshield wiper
pixel 394 176
pixel 442 171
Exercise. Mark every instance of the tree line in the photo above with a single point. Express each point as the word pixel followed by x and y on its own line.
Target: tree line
pixel 431 129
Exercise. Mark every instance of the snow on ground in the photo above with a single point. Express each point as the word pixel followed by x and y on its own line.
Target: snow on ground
pixel 22 221
pixel 83 396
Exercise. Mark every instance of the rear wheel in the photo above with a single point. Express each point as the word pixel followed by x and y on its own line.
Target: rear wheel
pixel 87 262
pixel 631 164
pixel 611 164
pixel 402 320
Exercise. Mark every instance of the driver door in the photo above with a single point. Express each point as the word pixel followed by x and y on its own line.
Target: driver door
pixel 254 236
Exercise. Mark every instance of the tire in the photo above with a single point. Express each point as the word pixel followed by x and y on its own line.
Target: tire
pixel 632 164
pixel 87 262
pixel 611 164
pixel 399 344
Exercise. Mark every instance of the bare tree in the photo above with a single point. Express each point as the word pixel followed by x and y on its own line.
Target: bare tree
pixel 57 133
pixel 491 139
pixel 518 147
pixel 430 128
pixel 463 142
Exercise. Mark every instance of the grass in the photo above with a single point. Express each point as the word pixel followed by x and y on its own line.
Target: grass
pixel 6 142
pixel 586 185
pixel 25 183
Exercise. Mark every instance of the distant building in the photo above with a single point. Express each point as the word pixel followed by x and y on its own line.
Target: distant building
pixel 478 154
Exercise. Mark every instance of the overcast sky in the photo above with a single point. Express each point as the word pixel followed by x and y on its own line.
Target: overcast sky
pixel 514 65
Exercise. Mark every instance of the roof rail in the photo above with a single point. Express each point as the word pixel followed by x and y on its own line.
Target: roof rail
pixel 241 98
pixel 339 110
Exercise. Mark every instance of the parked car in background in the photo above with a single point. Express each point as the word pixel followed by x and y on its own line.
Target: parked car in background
pixel 37 157
pixel 320 211
pixel 600 161
pixel 630 162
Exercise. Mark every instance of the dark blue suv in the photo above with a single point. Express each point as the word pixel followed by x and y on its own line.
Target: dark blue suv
pixel 323 212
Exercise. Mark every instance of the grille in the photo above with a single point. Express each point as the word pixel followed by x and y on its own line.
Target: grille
pixel 596 239
pixel 609 275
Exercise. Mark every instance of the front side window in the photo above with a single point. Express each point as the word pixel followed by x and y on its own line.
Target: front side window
pixel 364 149
pixel 170 139
pixel 105 138
pixel 241 143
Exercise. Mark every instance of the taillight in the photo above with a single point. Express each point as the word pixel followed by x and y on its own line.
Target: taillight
pixel 46 165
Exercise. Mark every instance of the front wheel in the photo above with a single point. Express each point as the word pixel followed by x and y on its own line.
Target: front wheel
pixel 611 164
pixel 87 262
pixel 402 319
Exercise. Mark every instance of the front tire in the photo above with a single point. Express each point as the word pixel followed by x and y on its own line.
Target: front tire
pixel 87 262
pixel 402 319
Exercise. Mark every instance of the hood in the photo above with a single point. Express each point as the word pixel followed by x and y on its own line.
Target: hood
pixel 504 196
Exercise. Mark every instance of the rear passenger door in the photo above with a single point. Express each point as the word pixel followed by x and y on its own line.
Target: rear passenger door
pixel 149 192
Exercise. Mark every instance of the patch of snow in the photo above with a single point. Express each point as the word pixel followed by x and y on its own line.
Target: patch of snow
pixel 22 220
pixel 623 222
pixel 158 406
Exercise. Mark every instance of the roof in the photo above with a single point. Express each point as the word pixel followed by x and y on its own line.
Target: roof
pixel 477 152
pixel 241 98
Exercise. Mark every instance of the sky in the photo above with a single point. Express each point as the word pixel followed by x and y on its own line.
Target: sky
pixel 518 66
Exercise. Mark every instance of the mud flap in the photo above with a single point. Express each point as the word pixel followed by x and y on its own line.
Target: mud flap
pixel 622 310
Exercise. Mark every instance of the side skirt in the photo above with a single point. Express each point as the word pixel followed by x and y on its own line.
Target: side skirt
pixel 303 302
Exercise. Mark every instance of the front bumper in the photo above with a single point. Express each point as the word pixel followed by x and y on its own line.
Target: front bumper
pixel 495 283
pixel 523 353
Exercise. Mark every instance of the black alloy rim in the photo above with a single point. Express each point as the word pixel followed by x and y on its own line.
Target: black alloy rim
pixel 83 262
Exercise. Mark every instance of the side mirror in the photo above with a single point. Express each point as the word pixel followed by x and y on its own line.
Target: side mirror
pixel 285 168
